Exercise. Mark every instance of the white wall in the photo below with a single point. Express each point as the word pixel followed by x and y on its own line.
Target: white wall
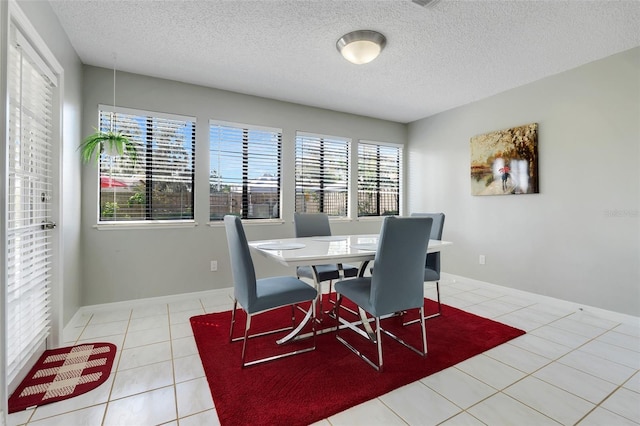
pixel 131 264
pixel 579 238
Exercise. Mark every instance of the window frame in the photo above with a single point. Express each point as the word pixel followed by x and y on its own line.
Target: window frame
pixel 321 192
pixel 149 221
pixel 246 204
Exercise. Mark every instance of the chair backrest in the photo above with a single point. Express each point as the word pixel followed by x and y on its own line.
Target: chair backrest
pixel 311 224
pixel 398 281
pixel 433 259
pixel 244 275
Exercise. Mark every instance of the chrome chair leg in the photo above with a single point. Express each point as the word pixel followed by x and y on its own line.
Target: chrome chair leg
pixel 233 319
pixel 423 325
pixel 293 316
pixel 423 330
pixel 310 316
pixel 246 337
pixel 340 277
pixel 439 304
pixel 373 337
pixel 437 314
pixel 264 333
pixel 318 285
pixel 379 342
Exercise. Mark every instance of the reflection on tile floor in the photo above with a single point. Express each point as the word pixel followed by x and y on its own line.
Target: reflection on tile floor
pixel 572 367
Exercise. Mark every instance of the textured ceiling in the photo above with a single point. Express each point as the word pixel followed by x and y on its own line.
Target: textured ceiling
pixel 437 57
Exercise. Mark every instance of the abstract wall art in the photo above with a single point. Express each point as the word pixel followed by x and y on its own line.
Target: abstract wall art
pixel 505 162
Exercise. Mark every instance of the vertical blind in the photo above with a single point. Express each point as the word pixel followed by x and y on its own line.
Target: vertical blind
pixel 322 174
pixel 244 171
pixel 159 184
pixel 379 178
pixel 29 247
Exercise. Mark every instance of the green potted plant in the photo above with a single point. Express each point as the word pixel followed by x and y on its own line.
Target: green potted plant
pixel 114 143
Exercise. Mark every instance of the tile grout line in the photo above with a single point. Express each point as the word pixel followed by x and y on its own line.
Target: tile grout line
pixel 116 370
pixel 552 323
pixel 463 410
pixel 173 367
pixel 595 405
pixel 551 361
pixel 91 405
pixel 75 342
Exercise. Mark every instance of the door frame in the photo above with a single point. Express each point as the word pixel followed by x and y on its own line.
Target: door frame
pixel 12 13
pixel 4 134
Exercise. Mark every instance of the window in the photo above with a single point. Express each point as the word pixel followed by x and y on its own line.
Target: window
pixel 379 178
pixel 159 186
pixel 322 174
pixel 244 171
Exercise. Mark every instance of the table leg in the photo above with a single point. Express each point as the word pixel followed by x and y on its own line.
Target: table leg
pixel 317 306
pixel 300 326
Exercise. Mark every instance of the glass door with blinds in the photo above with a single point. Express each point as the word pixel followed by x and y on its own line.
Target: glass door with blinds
pixel 30 192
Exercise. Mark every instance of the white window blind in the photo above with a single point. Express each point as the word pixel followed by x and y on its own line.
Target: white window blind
pixel 159 185
pixel 29 247
pixel 244 171
pixel 379 178
pixel 322 174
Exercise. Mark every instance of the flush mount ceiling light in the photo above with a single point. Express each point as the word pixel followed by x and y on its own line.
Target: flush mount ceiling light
pixel 362 46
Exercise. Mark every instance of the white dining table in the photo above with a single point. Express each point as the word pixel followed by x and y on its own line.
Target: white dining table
pixel 335 249
pixel 326 250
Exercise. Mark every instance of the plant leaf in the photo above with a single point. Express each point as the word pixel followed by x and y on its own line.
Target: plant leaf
pixel 94 144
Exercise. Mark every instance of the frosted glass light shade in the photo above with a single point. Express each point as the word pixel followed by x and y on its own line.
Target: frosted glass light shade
pixel 362 46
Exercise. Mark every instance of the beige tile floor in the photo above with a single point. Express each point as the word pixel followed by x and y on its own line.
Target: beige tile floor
pixel 572 367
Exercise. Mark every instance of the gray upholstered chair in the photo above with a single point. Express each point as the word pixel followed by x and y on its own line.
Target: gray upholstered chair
pixel 258 296
pixel 432 265
pixel 317 225
pixel 397 284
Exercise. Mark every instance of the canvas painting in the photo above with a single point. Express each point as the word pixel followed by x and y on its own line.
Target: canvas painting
pixel 505 162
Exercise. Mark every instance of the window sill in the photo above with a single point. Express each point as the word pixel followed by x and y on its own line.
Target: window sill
pixel 371 218
pixel 147 224
pixel 249 222
pixel 339 219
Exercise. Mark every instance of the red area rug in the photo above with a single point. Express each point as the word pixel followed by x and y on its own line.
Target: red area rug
pixel 64 373
pixel 305 388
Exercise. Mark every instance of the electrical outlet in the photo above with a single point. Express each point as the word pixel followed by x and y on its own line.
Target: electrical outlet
pixel 214 265
pixel 482 259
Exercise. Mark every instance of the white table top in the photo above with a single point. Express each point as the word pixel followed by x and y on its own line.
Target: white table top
pixel 323 250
